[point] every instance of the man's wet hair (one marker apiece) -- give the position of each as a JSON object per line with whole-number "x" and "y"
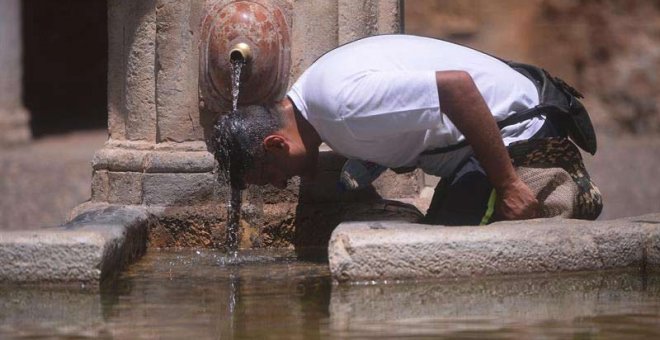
{"x": 237, "y": 140}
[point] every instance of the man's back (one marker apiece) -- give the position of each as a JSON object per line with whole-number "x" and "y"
{"x": 376, "y": 99}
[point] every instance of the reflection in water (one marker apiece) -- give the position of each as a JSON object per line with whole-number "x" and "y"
{"x": 205, "y": 294}
{"x": 510, "y": 307}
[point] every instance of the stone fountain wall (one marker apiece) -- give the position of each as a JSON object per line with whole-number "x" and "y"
{"x": 156, "y": 155}
{"x": 608, "y": 49}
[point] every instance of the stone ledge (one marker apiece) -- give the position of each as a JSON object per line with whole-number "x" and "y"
{"x": 396, "y": 250}
{"x": 93, "y": 247}
{"x": 153, "y": 161}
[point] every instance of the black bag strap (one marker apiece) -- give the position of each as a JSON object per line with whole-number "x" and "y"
{"x": 556, "y": 97}
{"x": 515, "y": 118}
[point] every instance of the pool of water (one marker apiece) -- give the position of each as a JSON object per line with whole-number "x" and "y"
{"x": 203, "y": 294}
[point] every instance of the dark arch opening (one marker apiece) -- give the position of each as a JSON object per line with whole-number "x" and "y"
{"x": 65, "y": 58}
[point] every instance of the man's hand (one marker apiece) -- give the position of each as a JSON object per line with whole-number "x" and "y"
{"x": 463, "y": 104}
{"x": 516, "y": 202}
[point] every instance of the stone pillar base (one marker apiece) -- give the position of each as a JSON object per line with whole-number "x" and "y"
{"x": 142, "y": 173}
{"x": 14, "y": 127}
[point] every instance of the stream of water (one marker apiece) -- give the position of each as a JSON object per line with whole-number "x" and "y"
{"x": 236, "y": 68}
{"x": 234, "y": 205}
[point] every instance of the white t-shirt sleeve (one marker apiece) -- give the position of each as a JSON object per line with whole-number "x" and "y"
{"x": 377, "y": 104}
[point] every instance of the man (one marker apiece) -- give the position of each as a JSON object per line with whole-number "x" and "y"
{"x": 401, "y": 101}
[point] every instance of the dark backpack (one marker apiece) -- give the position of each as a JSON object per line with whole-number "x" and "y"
{"x": 559, "y": 100}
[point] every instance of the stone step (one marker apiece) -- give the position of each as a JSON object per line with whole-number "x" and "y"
{"x": 95, "y": 246}
{"x": 366, "y": 251}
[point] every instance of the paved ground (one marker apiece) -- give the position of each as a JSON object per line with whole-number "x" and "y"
{"x": 41, "y": 182}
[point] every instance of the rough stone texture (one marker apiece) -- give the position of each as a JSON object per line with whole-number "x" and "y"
{"x": 31, "y": 256}
{"x": 118, "y": 159}
{"x": 264, "y": 226}
{"x": 359, "y": 19}
{"x": 176, "y": 64}
{"x": 139, "y": 56}
{"x": 177, "y": 188}
{"x": 653, "y": 247}
{"x": 356, "y": 19}
{"x": 188, "y": 161}
{"x": 314, "y": 32}
{"x": 14, "y": 119}
{"x": 93, "y": 247}
{"x": 389, "y": 16}
{"x": 131, "y": 69}
{"x": 379, "y": 251}
{"x": 270, "y": 195}
{"x": 100, "y": 186}
{"x": 651, "y": 225}
{"x": 177, "y": 227}
{"x": 125, "y": 187}
{"x": 123, "y": 159}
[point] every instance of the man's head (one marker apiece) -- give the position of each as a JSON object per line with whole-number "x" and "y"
{"x": 259, "y": 145}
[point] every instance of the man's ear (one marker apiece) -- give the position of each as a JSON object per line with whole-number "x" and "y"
{"x": 275, "y": 143}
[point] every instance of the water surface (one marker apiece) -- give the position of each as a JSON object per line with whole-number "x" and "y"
{"x": 204, "y": 294}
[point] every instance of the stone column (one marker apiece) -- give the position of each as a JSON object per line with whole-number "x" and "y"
{"x": 359, "y": 19}
{"x": 14, "y": 118}
{"x": 156, "y": 154}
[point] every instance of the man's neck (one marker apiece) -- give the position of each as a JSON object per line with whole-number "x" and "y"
{"x": 295, "y": 121}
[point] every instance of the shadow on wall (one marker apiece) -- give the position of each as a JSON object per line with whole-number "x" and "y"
{"x": 65, "y": 64}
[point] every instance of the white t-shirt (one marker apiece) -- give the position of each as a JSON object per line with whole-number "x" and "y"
{"x": 376, "y": 99}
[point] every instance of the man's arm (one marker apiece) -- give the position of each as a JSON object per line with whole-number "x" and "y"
{"x": 462, "y": 102}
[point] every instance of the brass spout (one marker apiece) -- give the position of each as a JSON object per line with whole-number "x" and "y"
{"x": 241, "y": 52}
{"x": 251, "y": 33}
